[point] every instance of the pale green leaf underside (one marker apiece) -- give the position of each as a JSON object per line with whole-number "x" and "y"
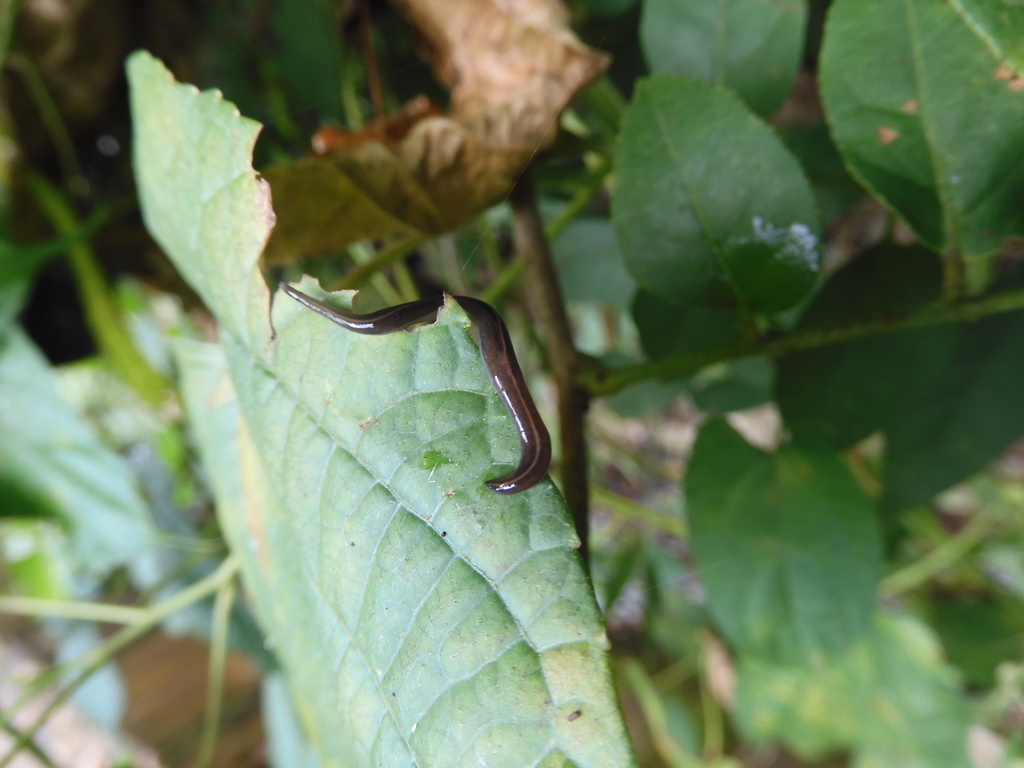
{"x": 53, "y": 455}
{"x": 422, "y": 619}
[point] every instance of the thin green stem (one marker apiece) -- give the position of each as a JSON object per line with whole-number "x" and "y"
{"x": 607, "y": 105}
{"x": 944, "y": 556}
{"x": 73, "y": 609}
{"x": 50, "y": 114}
{"x": 582, "y": 198}
{"x": 954, "y": 276}
{"x": 511, "y": 274}
{"x": 633, "y": 510}
{"x": 351, "y": 79}
{"x": 501, "y": 285}
{"x": 101, "y": 311}
{"x": 218, "y": 661}
{"x": 711, "y": 713}
{"x": 606, "y": 382}
{"x": 386, "y": 256}
{"x": 31, "y": 745}
{"x": 8, "y": 13}
{"x": 93, "y": 660}
{"x": 647, "y": 696}
{"x": 404, "y": 281}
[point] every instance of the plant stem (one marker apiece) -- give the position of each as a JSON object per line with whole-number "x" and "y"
{"x": 606, "y": 382}
{"x": 101, "y": 312}
{"x": 954, "y": 275}
{"x": 651, "y": 704}
{"x": 101, "y": 654}
{"x": 711, "y": 713}
{"x": 508, "y": 277}
{"x": 634, "y": 510}
{"x": 386, "y": 256}
{"x": 549, "y": 306}
{"x": 31, "y": 745}
{"x": 50, "y": 114}
{"x": 8, "y": 13}
{"x": 370, "y": 58}
{"x": 218, "y": 659}
{"x": 73, "y": 609}
{"x": 947, "y": 554}
{"x": 582, "y": 198}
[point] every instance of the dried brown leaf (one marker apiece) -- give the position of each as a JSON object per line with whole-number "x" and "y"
{"x": 512, "y": 66}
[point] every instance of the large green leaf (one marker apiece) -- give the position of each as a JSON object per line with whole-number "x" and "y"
{"x": 590, "y": 266}
{"x": 52, "y": 463}
{"x": 924, "y": 118}
{"x": 846, "y": 391}
{"x": 422, "y": 619}
{"x": 710, "y": 205}
{"x": 946, "y": 397}
{"x": 979, "y": 633}
{"x": 752, "y": 46}
{"x": 671, "y": 329}
{"x": 889, "y": 698}
{"x": 1000, "y": 23}
{"x": 786, "y": 545}
{"x": 972, "y": 412}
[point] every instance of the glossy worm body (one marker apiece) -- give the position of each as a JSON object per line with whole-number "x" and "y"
{"x": 499, "y": 359}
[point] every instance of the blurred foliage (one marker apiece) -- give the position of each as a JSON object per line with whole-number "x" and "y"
{"x": 789, "y": 235}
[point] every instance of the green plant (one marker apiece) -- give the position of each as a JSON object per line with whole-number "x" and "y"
{"x": 847, "y": 582}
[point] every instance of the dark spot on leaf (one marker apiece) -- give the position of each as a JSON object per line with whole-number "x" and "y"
{"x": 887, "y": 135}
{"x": 575, "y": 715}
{"x": 444, "y": 534}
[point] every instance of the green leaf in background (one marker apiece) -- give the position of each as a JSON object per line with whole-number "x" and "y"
{"x": 787, "y": 546}
{"x": 835, "y": 190}
{"x": 889, "y": 699}
{"x": 752, "y": 46}
{"x": 699, "y": 175}
{"x": 20, "y": 263}
{"x": 972, "y": 411}
{"x": 613, "y": 8}
{"x": 733, "y": 386}
{"x": 925, "y": 120}
{"x": 946, "y": 398}
{"x": 1000, "y": 23}
{"x": 979, "y": 634}
{"x": 51, "y": 461}
{"x": 774, "y": 268}
{"x": 845, "y": 391}
{"x": 308, "y": 43}
{"x": 36, "y": 557}
{"x": 421, "y": 618}
{"x": 668, "y": 329}
{"x": 647, "y": 397}
{"x": 589, "y": 264}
